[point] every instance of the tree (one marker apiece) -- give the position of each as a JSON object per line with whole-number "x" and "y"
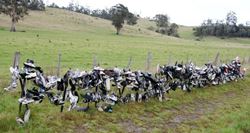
{"x": 248, "y": 23}
{"x": 161, "y": 20}
{"x": 131, "y": 19}
{"x": 53, "y": 5}
{"x": 231, "y": 18}
{"x": 96, "y": 13}
{"x": 119, "y": 13}
{"x": 105, "y": 13}
{"x": 16, "y": 9}
{"x": 36, "y": 5}
{"x": 71, "y": 6}
{"x": 173, "y": 30}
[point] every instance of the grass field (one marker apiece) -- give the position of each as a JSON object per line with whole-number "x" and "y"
{"x": 79, "y": 38}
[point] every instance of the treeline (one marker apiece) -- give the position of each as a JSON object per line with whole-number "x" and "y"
{"x": 36, "y": 5}
{"x": 223, "y": 29}
{"x": 131, "y": 19}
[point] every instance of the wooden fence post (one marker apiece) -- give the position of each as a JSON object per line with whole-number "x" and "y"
{"x": 16, "y": 60}
{"x": 94, "y": 61}
{"x": 59, "y": 64}
{"x": 216, "y": 59}
{"x": 148, "y": 61}
{"x": 129, "y": 62}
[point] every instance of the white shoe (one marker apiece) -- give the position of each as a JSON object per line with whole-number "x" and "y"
{"x": 31, "y": 75}
{"x": 26, "y": 116}
{"x": 25, "y": 100}
{"x": 19, "y": 121}
{"x": 100, "y": 109}
{"x": 10, "y": 88}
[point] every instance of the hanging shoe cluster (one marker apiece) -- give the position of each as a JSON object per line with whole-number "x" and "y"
{"x": 107, "y": 87}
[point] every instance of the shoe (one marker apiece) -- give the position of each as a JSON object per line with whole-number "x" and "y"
{"x": 83, "y": 109}
{"x": 113, "y": 98}
{"x": 26, "y": 116}
{"x": 25, "y": 100}
{"x": 10, "y": 88}
{"x": 99, "y": 82}
{"x": 31, "y": 75}
{"x": 100, "y": 109}
{"x": 58, "y": 102}
{"x": 29, "y": 63}
{"x": 108, "y": 109}
{"x": 132, "y": 97}
{"x": 160, "y": 98}
{"x": 19, "y": 121}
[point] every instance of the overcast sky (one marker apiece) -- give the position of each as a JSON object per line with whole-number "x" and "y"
{"x": 184, "y": 12}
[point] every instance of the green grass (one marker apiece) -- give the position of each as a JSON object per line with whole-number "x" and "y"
{"x": 79, "y": 38}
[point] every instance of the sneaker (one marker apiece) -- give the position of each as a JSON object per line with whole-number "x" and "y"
{"x": 84, "y": 109}
{"x": 100, "y": 109}
{"x": 160, "y": 98}
{"x": 132, "y": 97}
{"x": 113, "y": 98}
{"x": 29, "y": 63}
{"x": 25, "y": 100}
{"x": 108, "y": 109}
{"x": 58, "y": 102}
{"x": 110, "y": 102}
{"x": 31, "y": 75}
{"x": 9, "y": 88}
{"x": 99, "y": 82}
{"x": 19, "y": 121}
{"x": 26, "y": 116}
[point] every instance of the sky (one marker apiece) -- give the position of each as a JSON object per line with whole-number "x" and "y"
{"x": 184, "y": 12}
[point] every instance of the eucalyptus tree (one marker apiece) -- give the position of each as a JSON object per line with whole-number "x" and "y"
{"x": 16, "y": 9}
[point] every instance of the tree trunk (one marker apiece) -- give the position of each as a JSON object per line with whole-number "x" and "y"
{"x": 13, "y": 26}
{"x": 118, "y": 31}
{"x": 13, "y": 18}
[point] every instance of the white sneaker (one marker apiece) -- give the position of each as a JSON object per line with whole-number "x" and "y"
{"x": 26, "y": 116}
{"x": 100, "y": 109}
{"x": 10, "y": 88}
{"x": 31, "y": 75}
{"x": 25, "y": 100}
{"x": 19, "y": 121}
{"x": 112, "y": 97}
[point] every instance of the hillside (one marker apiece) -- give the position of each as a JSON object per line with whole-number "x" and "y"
{"x": 58, "y": 19}
{"x": 79, "y": 38}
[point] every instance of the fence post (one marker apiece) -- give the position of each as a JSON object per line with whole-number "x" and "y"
{"x": 59, "y": 64}
{"x": 16, "y": 60}
{"x": 169, "y": 59}
{"x": 216, "y": 59}
{"x": 94, "y": 61}
{"x": 129, "y": 62}
{"x": 249, "y": 60}
{"x": 148, "y": 61}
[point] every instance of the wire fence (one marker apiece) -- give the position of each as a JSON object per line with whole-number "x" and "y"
{"x": 151, "y": 64}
